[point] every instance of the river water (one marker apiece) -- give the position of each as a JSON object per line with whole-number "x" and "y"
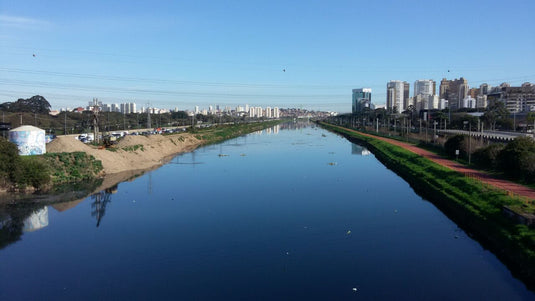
{"x": 289, "y": 213}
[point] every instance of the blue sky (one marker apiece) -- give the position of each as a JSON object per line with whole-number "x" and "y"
{"x": 186, "y": 53}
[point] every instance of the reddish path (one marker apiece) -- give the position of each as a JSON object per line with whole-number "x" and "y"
{"x": 508, "y": 186}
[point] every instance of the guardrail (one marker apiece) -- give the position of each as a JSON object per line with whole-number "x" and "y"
{"x": 506, "y": 136}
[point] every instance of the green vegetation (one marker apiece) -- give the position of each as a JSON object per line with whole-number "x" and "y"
{"x": 516, "y": 160}
{"x": 134, "y": 148}
{"x": 72, "y": 167}
{"x": 41, "y": 172}
{"x": 219, "y": 133}
{"x": 34, "y": 104}
{"x": 473, "y": 205}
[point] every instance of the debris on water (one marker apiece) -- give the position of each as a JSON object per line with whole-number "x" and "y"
{"x": 348, "y": 232}
{"x": 456, "y": 237}
{"x": 243, "y": 155}
{"x": 354, "y": 289}
{"x": 323, "y": 135}
{"x": 331, "y": 153}
{"x": 223, "y": 155}
{"x": 395, "y": 211}
{"x": 287, "y": 253}
{"x": 133, "y": 201}
{"x": 332, "y": 163}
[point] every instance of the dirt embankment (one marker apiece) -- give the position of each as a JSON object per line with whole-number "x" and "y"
{"x": 132, "y": 152}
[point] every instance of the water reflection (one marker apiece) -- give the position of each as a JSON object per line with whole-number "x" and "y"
{"x": 37, "y": 220}
{"x": 16, "y": 219}
{"x": 359, "y": 150}
{"x": 100, "y": 201}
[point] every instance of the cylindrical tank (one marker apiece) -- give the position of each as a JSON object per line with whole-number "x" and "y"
{"x": 29, "y": 139}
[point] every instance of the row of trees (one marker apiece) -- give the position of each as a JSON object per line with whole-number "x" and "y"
{"x": 495, "y": 116}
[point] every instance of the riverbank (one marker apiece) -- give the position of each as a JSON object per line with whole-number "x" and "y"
{"x": 476, "y": 207}
{"x": 140, "y": 152}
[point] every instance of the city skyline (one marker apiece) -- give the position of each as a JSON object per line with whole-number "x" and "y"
{"x": 285, "y": 54}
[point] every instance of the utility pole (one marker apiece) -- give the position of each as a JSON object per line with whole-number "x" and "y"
{"x": 148, "y": 116}
{"x": 65, "y": 126}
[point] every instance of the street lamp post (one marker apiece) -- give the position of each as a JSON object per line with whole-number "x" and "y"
{"x": 469, "y": 141}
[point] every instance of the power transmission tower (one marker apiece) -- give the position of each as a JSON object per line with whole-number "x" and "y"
{"x": 96, "y": 110}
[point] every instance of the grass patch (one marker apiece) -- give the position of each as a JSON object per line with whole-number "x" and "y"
{"x": 134, "y": 148}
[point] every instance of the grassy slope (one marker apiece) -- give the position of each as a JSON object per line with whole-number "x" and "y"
{"x": 476, "y": 207}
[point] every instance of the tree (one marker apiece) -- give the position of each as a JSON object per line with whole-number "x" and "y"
{"x": 455, "y": 143}
{"x": 530, "y": 118}
{"x": 411, "y": 112}
{"x": 9, "y": 158}
{"x": 495, "y": 111}
{"x": 35, "y": 104}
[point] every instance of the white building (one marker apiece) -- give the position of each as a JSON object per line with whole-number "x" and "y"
{"x": 269, "y": 113}
{"x": 276, "y": 112}
{"x": 397, "y": 95}
{"x": 481, "y": 101}
{"x": 469, "y": 102}
{"x": 424, "y": 87}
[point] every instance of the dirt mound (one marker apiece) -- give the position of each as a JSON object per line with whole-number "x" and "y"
{"x": 132, "y": 140}
{"x": 66, "y": 144}
{"x": 123, "y": 157}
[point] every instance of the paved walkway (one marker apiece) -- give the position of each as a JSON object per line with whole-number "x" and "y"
{"x": 510, "y": 187}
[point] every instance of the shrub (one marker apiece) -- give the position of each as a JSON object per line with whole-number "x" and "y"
{"x": 487, "y": 157}
{"x": 32, "y": 171}
{"x": 517, "y": 159}
{"x": 455, "y": 143}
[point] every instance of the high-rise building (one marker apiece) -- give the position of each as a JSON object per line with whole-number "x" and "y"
{"x": 455, "y": 91}
{"x": 269, "y": 113}
{"x": 424, "y": 87}
{"x": 397, "y": 96}
{"x": 276, "y": 112}
{"x": 516, "y": 99}
{"x": 406, "y": 99}
{"x": 484, "y": 89}
{"x": 361, "y": 98}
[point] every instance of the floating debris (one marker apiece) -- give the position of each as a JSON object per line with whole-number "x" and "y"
{"x": 354, "y": 289}
{"x": 243, "y": 155}
{"x": 332, "y": 163}
{"x": 223, "y": 155}
{"x": 348, "y": 232}
{"x": 331, "y": 153}
{"x": 395, "y": 211}
{"x": 456, "y": 237}
{"x": 323, "y": 135}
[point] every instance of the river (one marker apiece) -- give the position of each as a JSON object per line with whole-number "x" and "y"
{"x": 289, "y": 213}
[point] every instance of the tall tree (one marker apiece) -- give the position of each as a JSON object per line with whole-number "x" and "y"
{"x": 495, "y": 111}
